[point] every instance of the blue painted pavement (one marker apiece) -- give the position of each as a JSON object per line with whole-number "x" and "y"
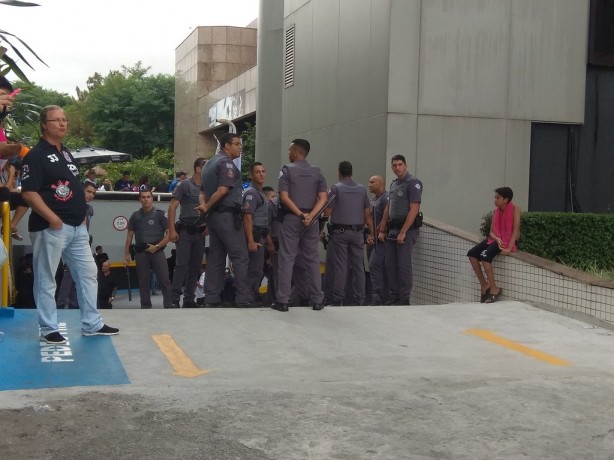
{"x": 27, "y": 363}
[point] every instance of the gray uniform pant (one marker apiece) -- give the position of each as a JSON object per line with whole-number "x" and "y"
{"x": 300, "y": 290}
{"x": 145, "y": 263}
{"x": 190, "y": 251}
{"x": 271, "y": 294}
{"x": 225, "y": 239}
{"x": 398, "y": 266}
{"x": 255, "y": 268}
{"x": 295, "y": 238}
{"x": 329, "y": 271}
{"x": 349, "y": 251}
{"x": 377, "y": 270}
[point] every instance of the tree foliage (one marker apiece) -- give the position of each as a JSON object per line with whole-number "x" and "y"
{"x": 248, "y": 137}
{"x": 131, "y": 112}
{"x": 25, "y": 112}
{"x": 157, "y": 166}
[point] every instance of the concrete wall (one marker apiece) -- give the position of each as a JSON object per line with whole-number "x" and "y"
{"x": 269, "y": 91}
{"x": 442, "y": 274}
{"x": 340, "y": 95}
{"x": 207, "y": 59}
{"x": 486, "y": 70}
{"x": 451, "y": 84}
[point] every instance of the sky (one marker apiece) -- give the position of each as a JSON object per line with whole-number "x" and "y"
{"x": 77, "y": 38}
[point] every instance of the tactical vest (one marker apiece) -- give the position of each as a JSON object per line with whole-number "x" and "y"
{"x": 378, "y": 204}
{"x": 261, "y": 210}
{"x": 190, "y": 201}
{"x": 349, "y": 204}
{"x": 399, "y": 204}
{"x": 148, "y": 227}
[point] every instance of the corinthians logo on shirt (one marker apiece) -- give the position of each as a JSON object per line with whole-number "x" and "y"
{"x": 62, "y": 191}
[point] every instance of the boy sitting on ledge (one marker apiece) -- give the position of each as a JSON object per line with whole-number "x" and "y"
{"x": 504, "y": 232}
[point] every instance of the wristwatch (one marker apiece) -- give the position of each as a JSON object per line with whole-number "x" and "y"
{"x": 157, "y": 246}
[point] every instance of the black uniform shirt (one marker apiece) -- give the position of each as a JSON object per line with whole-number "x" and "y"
{"x": 55, "y": 177}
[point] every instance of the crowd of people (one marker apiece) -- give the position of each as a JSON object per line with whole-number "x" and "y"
{"x": 259, "y": 233}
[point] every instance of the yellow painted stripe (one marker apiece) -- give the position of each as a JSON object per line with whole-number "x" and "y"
{"x": 491, "y": 337}
{"x": 181, "y": 362}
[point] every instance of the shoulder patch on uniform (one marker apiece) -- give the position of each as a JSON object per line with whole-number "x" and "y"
{"x": 418, "y": 186}
{"x": 249, "y": 196}
{"x": 230, "y": 165}
{"x": 230, "y": 173}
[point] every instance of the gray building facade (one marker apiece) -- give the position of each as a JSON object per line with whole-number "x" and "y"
{"x": 475, "y": 93}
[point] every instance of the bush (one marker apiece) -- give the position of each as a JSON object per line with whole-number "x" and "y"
{"x": 153, "y": 166}
{"x": 581, "y": 240}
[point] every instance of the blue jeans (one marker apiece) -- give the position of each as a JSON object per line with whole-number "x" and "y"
{"x": 72, "y": 245}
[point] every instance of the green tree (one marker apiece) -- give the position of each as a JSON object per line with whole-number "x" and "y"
{"x": 248, "y": 137}
{"x": 24, "y": 121}
{"x": 130, "y": 111}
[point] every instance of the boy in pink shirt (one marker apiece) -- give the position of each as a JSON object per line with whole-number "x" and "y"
{"x": 504, "y": 232}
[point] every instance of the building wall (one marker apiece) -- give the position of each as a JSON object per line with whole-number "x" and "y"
{"x": 442, "y": 274}
{"x": 207, "y": 59}
{"x": 339, "y": 99}
{"x": 451, "y": 84}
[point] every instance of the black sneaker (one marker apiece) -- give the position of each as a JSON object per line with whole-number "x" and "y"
{"x": 173, "y": 305}
{"x": 54, "y": 338}
{"x": 104, "y": 330}
{"x": 191, "y": 305}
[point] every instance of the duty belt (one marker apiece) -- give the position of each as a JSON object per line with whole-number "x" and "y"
{"x": 343, "y": 227}
{"x": 232, "y": 209}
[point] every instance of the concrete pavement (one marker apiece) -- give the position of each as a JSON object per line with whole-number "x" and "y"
{"x": 344, "y": 383}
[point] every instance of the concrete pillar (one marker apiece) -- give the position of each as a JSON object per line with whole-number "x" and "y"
{"x": 270, "y": 87}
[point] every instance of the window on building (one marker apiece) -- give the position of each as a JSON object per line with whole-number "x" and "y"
{"x": 601, "y": 33}
{"x": 289, "y": 57}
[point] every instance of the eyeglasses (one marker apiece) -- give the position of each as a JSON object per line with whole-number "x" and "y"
{"x": 58, "y": 120}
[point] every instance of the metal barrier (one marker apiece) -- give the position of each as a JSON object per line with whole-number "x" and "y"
{"x": 6, "y": 237}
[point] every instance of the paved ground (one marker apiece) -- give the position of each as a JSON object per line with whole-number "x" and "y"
{"x": 344, "y": 383}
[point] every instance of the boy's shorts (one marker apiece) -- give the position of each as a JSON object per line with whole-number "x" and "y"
{"x": 484, "y": 251}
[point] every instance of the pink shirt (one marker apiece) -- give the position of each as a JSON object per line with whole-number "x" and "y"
{"x": 3, "y": 136}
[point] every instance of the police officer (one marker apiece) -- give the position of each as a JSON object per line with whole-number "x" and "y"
{"x": 401, "y": 227}
{"x": 349, "y": 212}
{"x": 220, "y": 199}
{"x": 149, "y": 227}
{"x": 256, "y": 226}
{"x": 271, "y": 261}
{"x": 187, "y": 234}
{"x": 302, "y": 193}
{"x": 377, "y": 251}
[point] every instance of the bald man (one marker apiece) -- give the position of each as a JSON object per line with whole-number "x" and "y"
{"x": 376, "y": 250}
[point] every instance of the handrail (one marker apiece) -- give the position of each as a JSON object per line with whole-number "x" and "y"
{"x": 6, "y": 237}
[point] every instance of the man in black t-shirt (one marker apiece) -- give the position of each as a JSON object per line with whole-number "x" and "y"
{"x": 51, "y": 186}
